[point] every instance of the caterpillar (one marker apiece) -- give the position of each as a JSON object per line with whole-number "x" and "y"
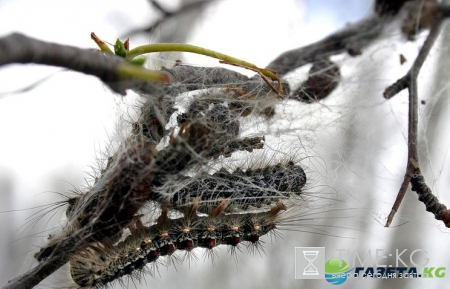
{"x": 431, "y": 202}
{"x": 104, "y": 262}
{"x": 243, "y": 190}
{"x": 254, "y": 187}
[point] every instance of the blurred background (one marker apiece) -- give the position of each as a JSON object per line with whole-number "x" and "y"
{"x": 353, "y": 143}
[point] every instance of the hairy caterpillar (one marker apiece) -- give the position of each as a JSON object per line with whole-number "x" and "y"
{"x": 104, "y": 262}
{"x": 254, "y": 187}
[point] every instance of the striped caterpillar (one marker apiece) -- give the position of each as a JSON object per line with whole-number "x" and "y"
{"x": 252, "y": 188}
{"x": 102, "y": 263}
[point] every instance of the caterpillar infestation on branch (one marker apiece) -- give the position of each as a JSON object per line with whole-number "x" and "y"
{"x": 208, "y": 158}
{"x": 171, "y": 156}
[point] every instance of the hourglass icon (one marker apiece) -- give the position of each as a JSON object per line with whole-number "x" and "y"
{"x": 310, "y": 269}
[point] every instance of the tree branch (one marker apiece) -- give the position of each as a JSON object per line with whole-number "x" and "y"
{"x": 38, "y": 273}
{"x": 18, "y": 48}
{"x": 168, "y": 15}
{"x": 413, "y": 174}
{"x": 351, "y": 39}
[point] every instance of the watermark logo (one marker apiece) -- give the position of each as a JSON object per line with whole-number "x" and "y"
{"x": 375, "y": 264}
{"x": 336, "y": 271}
{"x": 309, "y": 262}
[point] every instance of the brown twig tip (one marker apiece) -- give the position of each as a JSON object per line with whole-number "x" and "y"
{"x": 96, "y": 39}
{"x": 398, "y": 200}
{"x": 390, "y": 218}
{"x": 395, "y": 88}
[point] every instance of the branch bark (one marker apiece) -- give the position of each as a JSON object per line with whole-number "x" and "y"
{"x": 18, "y": 48}
{"x": 413, "y": 174}
{"x": 351, "y": 39}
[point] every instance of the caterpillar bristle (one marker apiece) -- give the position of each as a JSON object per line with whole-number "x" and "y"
{"x": 103, "y": 262}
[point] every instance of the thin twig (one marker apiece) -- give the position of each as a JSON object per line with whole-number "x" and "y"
{"x": 32, "y": 85}
{"x": 158, "y": 6}
{"x": 167, "y": 16}
{"x": 112, "y": 70}
{"x": 18, "y": 48}
{"x": 410, "y": 81}
{"x": 351, "y": 39}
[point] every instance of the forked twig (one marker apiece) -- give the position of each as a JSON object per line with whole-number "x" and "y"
{"x": 413, "y": 174}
